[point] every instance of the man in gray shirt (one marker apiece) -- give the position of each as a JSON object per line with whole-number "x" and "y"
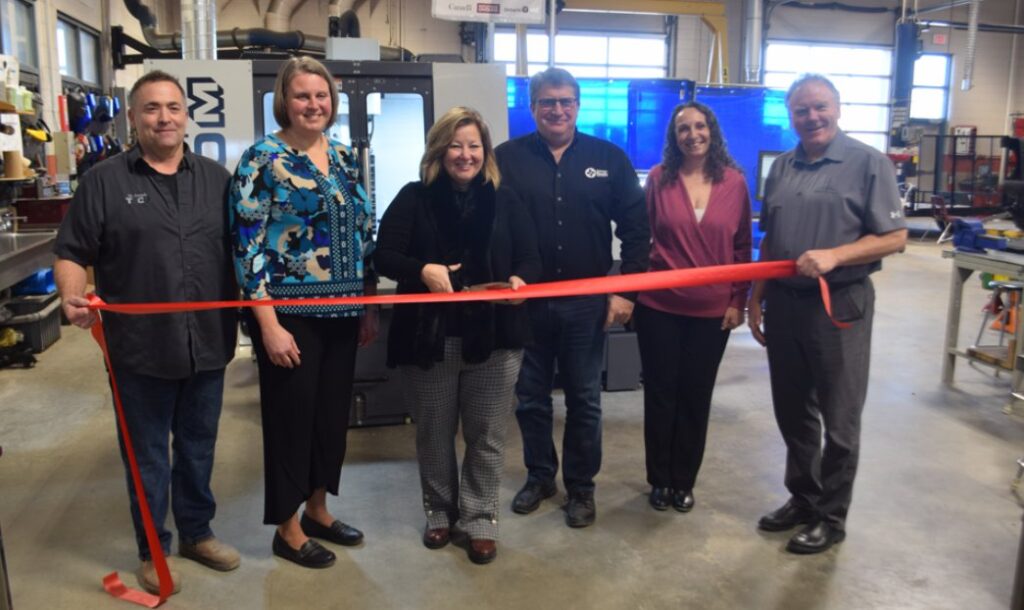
{"x": 152, "y": 222}
{"x": 833, "y": 205}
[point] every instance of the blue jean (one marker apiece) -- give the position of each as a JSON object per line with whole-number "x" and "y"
{"x": 155, "y": 411}
{"x": 569, "y": 331}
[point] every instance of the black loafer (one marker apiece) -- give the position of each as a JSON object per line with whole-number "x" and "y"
{"x": 311, "y": 555}
{"x": 682, "y": 500}
{"x": 338, "y": 532}
{"x": 660, "y": 498}
{"x": 785, "y": 517}
{"x": 528, "y": 498}
{"x": 815, "y": 538}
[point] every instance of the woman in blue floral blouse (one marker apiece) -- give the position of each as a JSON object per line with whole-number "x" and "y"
{"x": 302, "y": 227}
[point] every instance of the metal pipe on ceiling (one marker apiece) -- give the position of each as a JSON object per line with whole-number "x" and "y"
{"x": 552, "y": 10}
{"x": 992, "y": 28}
{"x": 941, "y": 7}
{"x": 972, "y": 41}
{"x": 199, "y": 29}
{"x": 752, "y": 44}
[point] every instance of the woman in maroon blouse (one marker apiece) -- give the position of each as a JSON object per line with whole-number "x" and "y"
{"x": 699, "y": 213}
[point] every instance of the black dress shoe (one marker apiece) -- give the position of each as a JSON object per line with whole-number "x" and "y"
{"x": 815, "y": 538}
{"x": 786, "y": 517}
{"x": 311, "y": 555}
{"x": 660, "y": 498}
{"x": 580, "y": 510}
{"x": 338, "y": 532}
{"x": 682, "y": 500}
{"x": 530, "y": 496}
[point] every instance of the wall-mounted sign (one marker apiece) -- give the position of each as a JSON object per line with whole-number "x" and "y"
{"x": 497, "y": 11}
{"x": 218, "y": 95}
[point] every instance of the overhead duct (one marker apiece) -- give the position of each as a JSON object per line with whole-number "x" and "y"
{"x": 279, "y": 14}
{"x": 344, "y": 26}
{"x": 199, "y": 29}
{"x": 252, "y": 37}
{"x": 753, "y": 30}
{"x": 147, "y": 20}
{"x": 235, "y": 38}
{"x": 972, "y": 40}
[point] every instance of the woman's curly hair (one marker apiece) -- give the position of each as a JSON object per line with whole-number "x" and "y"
{"x": 718, "y": 155}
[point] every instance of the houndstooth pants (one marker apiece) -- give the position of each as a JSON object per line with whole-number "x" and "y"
{"x": 481, "y": 395}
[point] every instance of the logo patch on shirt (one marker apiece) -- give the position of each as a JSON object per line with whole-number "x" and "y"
{"x": 593, "y": 172}
{"x": 895, "y": 214}
{"x": 136, "y": 198}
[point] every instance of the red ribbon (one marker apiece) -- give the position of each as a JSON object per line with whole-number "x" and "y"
{"x": 112, "y": 582}
{"x": 637, "y": 282}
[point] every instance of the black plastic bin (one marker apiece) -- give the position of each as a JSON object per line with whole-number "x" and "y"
{"x": 36, "y": 317}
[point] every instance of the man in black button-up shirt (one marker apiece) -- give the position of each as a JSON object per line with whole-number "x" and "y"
{"x": 575, "y": 186}
{"x": 152, "y": 222}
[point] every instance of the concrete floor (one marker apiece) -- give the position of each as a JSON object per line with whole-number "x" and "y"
{"x": 933, "y": 523}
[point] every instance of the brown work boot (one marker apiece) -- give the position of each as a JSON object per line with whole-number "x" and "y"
{"x": 146, "y": 574}
{"x": 212, "y": 553}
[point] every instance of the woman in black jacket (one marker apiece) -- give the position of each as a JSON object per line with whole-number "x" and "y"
{"x": 457, "y": 229}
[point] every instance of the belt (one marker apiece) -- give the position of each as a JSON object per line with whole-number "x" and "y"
{"x": 814, "y": 290}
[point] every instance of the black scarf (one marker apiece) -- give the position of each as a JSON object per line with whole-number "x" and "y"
{"x": 463, "y": 233}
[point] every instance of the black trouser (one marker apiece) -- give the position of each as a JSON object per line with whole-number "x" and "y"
{"x": 680, "y": 357}
{"x": 819, "y": 376}
{"x": 305, "y": 411}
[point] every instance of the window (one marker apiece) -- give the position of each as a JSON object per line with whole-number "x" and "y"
{"x": 861, "y": 74}
{"x": 588, "y": 54}
{"x": 18, "y": 31}
{"x": 78, "y": 51}
{"x": 929, "y": 99}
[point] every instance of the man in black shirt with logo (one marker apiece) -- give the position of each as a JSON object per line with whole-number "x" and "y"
{"x": 152, "y": 222}
{"x": 575, "y": 186}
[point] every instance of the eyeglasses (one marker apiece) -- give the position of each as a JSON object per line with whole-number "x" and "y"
{"x": 547, "y": 103}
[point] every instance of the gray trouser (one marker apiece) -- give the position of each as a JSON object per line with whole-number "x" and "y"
{"x": 481, "y": 395}
{"x": 819, "y": 379}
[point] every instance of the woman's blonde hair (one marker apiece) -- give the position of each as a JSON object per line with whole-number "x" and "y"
{"x": 289, "y": 70}
{"x": 440, "y": 137}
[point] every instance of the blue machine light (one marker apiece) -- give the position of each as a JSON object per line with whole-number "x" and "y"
{"x": 630, "y": 113}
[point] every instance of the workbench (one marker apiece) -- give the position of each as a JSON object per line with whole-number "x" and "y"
{"x": 996, "y": 263}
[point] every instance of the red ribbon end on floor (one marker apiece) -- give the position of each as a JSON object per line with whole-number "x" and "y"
{"x": 112, "y": 583}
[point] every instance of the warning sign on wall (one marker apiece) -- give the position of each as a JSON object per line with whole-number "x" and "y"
{"x": 497, "y": 11}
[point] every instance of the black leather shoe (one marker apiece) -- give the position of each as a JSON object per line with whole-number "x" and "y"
{"x": 530, "y": 496}
{"x": 338, "y": 533}
{"x": 311, "y": 555}
{"x": 580, "y": 510}
{"x": 815, "y": 538}
{"x": 660, "y": 498}
{"x": 786, "y": 517}
{"x": 682, "y": 500}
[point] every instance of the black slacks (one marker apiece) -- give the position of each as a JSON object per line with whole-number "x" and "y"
{"x": 819, "y": 376}
{"x": 680, "y": 357}
{"x": 305, "y": 411}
